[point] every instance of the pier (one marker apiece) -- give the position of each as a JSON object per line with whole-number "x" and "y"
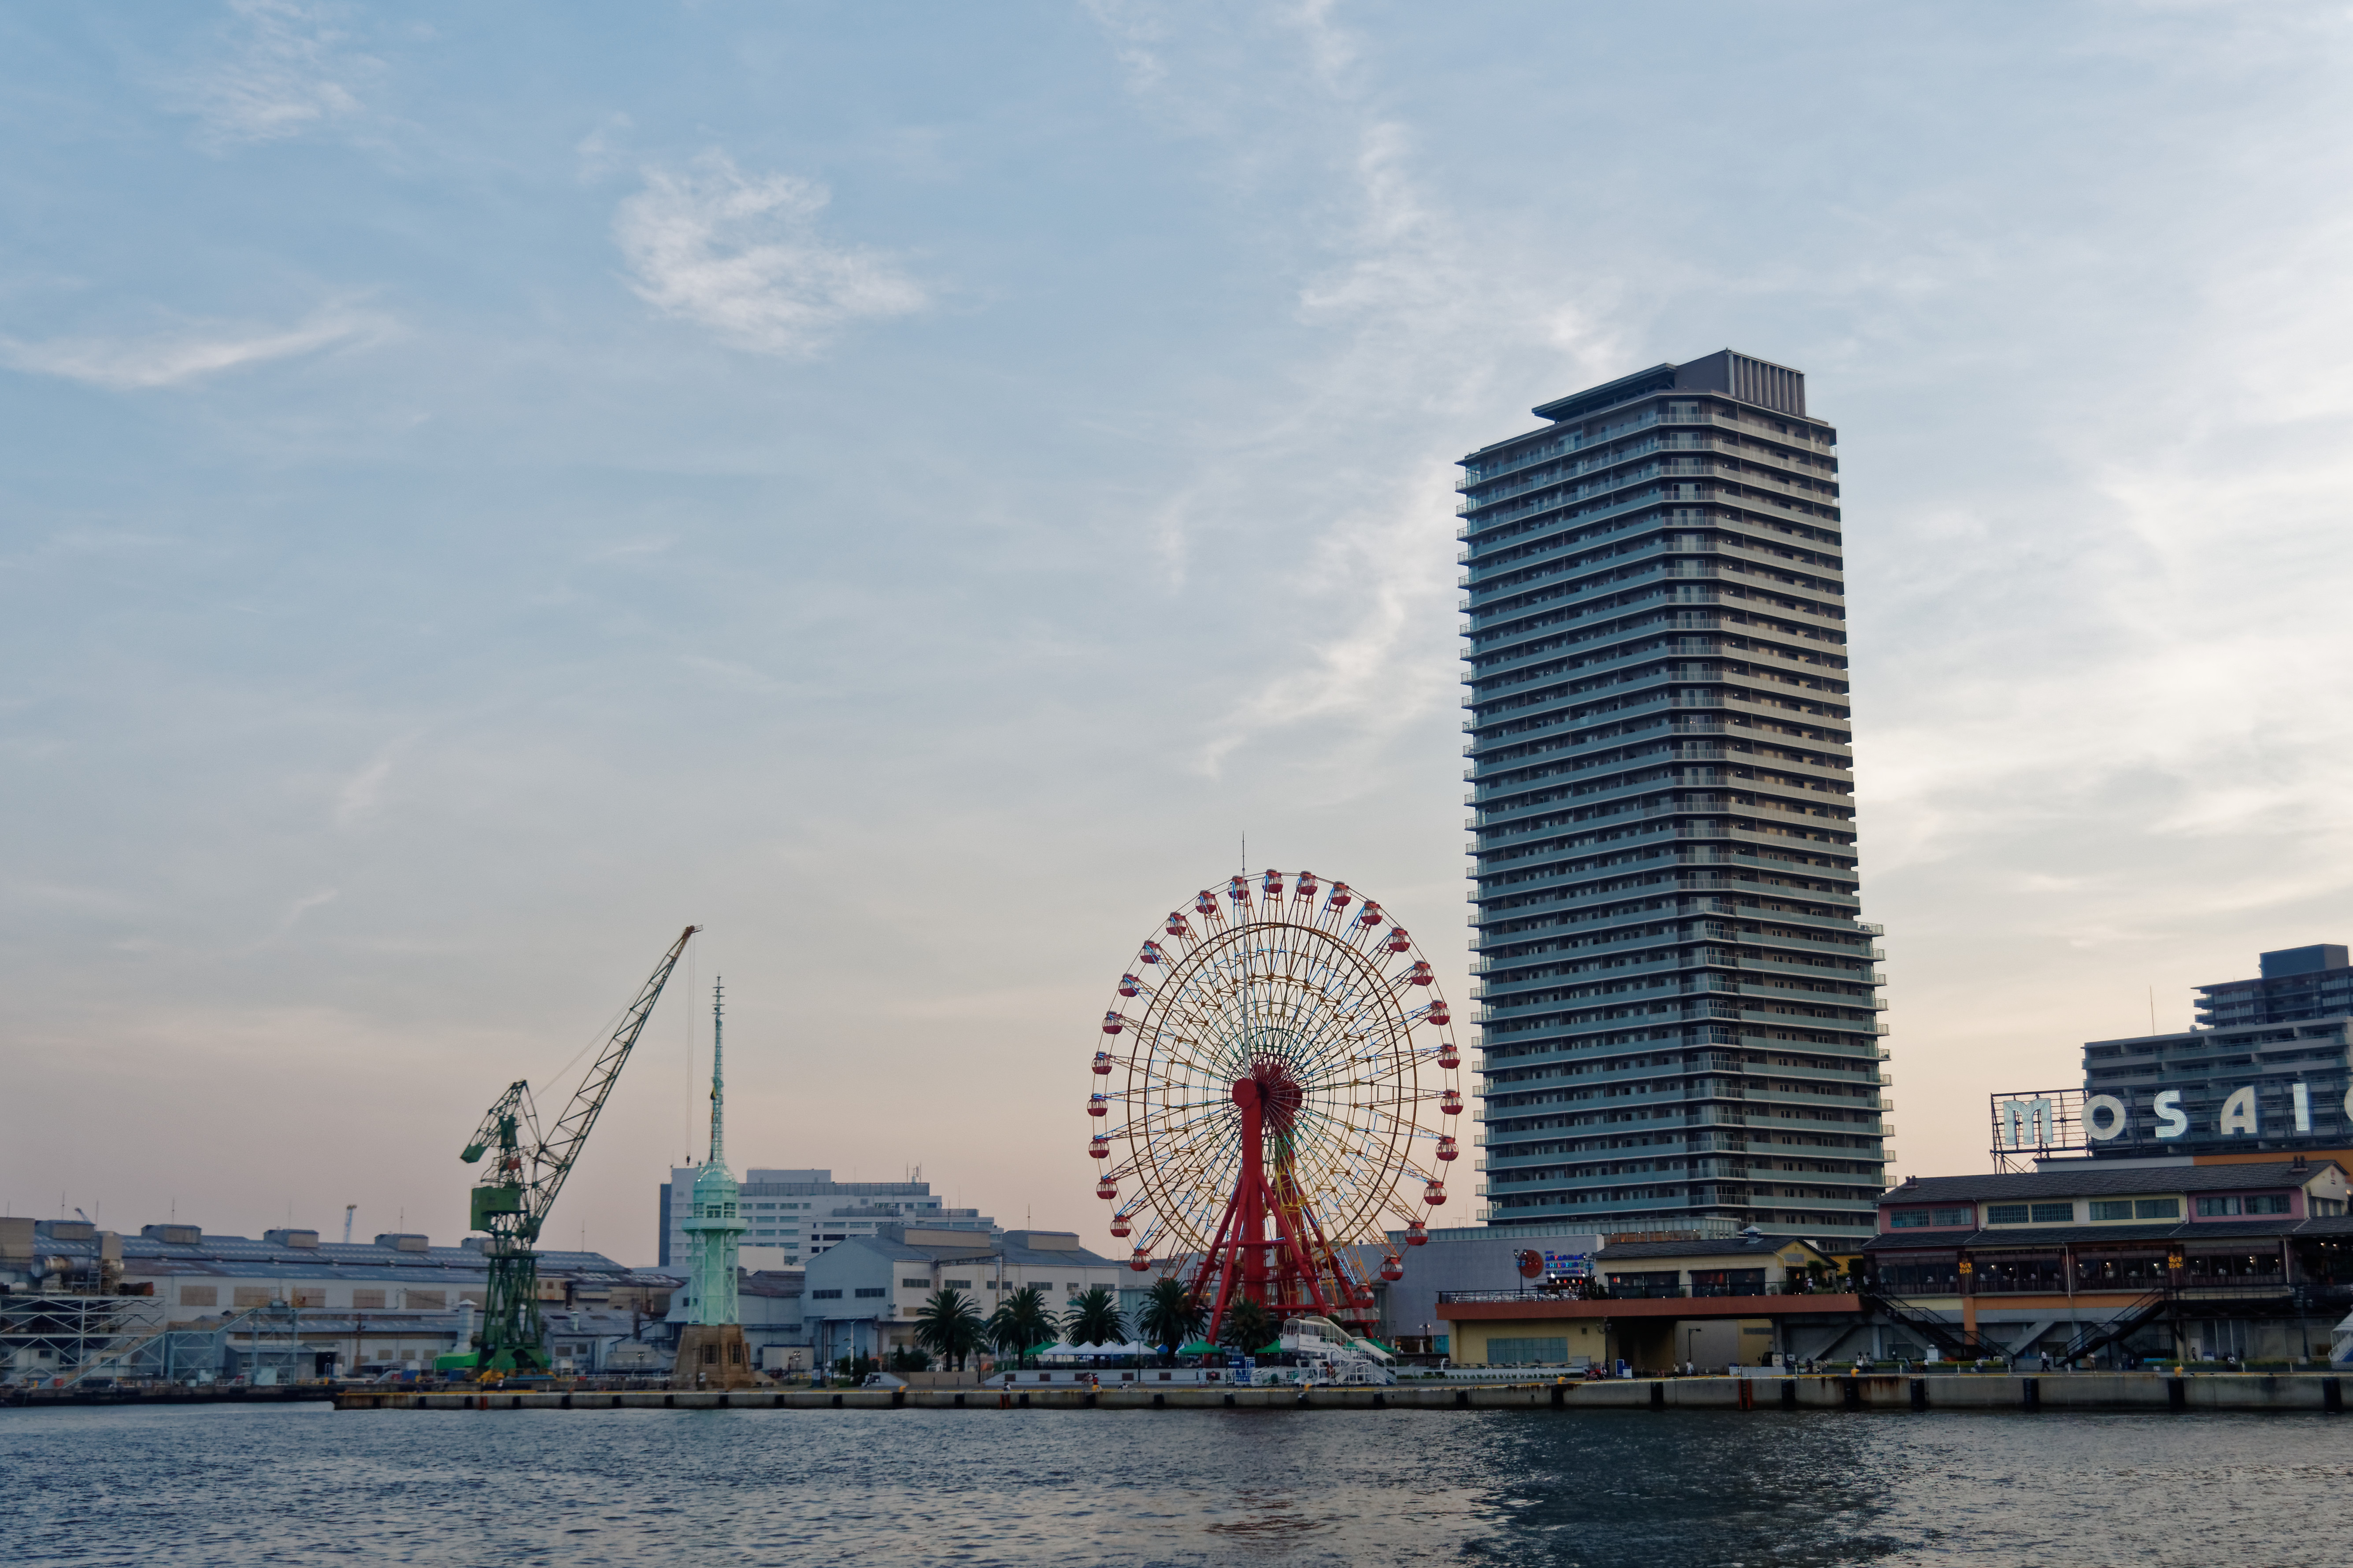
{"x": 2098, "y": 1391}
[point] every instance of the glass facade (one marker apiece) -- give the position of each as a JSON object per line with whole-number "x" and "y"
{"x": 1676, "y": 996}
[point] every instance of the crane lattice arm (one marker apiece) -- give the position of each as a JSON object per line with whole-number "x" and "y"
{"x": 561, "y": 1147}
{"x": 511, "y": 1202}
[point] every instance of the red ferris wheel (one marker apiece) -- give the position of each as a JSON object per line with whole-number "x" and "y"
{"x": 1277, "y": 1092}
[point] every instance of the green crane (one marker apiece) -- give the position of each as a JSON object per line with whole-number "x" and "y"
{"x": 518, "y": 1189}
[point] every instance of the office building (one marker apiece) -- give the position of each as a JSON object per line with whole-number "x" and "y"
{"x": 793, "y": 1215}
{"x": 1677, "y": 998}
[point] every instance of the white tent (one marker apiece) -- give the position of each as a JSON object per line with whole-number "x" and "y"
{"x": 1067, "y": 1351}
{"x": 2341, "y": 1350}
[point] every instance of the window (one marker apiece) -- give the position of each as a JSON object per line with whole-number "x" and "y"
{"x": 2053, "y": 1214}
{"x": 1951, "y": 1216}
{"x": 957, "y": 1284}
{"x": 825, "y": 1295}
{"x": 914, "y": 1284}
{"x": 2156, "y": 1208}
{"x": 253, "y": 1296}
{"x": 1526, "y": 1352}
{"x": 2209, "y": 1208}
{"x": 199, "y": 1295}
{"x": 2112, "y": 1209}
{"x": 1909, "y": 1219}
{"x": 367, "y": 1301}
{"x": 2006, "y": 1214}
{"x": 423, "y": 1301}
{"x": 868, "y": 1290}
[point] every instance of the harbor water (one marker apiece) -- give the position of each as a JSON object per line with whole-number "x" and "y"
{"x": 303, "y": 1484}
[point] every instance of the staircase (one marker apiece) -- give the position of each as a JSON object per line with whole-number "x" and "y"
{"x": 2120, "y": 1327}
{"x": 1948, "y": 1336}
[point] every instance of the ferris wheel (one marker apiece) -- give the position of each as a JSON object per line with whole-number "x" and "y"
{"x": 1277, "y": 1092}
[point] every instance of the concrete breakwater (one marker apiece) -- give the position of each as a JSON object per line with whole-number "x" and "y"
{"x": 2073, "y": 1391}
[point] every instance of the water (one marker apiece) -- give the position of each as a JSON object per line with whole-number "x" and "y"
{"x": 716, "y": 1488}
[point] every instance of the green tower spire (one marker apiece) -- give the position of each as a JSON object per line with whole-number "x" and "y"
{"x": 716, "y": 1222}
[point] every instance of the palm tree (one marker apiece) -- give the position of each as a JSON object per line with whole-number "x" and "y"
{"x": 1172, "y": 1314}
{"x": 1023, "y": 1321}
{"x": 949, "y": 1326}
{"x": 1095, "y": 1319}
{"x": 1247, "y": 1326}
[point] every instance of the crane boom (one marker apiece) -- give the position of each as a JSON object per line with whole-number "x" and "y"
{"x": 511, "y": 1204}
{"x": 561, "y": 1147}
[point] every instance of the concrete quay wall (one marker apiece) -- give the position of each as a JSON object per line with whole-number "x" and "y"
{"x": 2073, "y": 1391}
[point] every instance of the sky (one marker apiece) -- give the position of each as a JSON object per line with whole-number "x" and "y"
{"x": 911, "y": 487}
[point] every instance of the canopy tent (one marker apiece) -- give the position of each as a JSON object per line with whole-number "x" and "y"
{"x": 1067, "y": 1351}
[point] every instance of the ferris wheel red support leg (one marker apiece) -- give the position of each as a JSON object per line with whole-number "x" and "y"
{"x": 1238, "y": 1254}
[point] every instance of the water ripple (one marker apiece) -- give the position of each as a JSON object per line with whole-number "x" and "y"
{"x": 235, "y": 1487}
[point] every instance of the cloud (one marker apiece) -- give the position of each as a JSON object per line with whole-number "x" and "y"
{"x": 284, "y": 75}
{"x": 168, "y": 359}
{"x": 1410, "y": 324}
{"x": 741, "y": 255}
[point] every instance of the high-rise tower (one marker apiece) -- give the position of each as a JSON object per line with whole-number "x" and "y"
{"x": 711, "y": 1348}
{"x": 1679, "y": 1019}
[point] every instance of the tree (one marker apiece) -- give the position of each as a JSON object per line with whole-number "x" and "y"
{"x": 1095, "y": 1319}
{"x": 1247, "y": 1326}
{"x": 1172, "y": 1314}
{"x": 949, "y": 1325}
{"x": 910, "y": 1361}
{"x": 1023, "y": 1321}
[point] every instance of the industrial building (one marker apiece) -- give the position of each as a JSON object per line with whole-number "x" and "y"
{"x": 791, "y": 1215}
{"x": 1677, "y": 996}
{"x": 174, "y": 1301}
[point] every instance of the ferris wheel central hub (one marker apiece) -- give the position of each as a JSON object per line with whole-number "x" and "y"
{"x": 1270, "y": 1096}
{"x": 1304, "y": 1007}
